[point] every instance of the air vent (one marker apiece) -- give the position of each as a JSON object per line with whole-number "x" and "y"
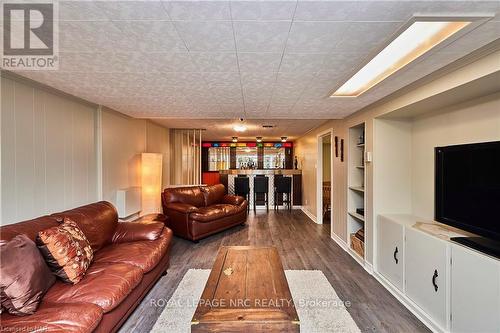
{"x": 268, "y": 126}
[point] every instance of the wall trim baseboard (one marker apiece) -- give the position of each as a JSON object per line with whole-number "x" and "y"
{"x": 369, "y": 268}
{"x": 309, "y": 214}
{"x": 409, "y": 304}
{"x": 339, "y": 241}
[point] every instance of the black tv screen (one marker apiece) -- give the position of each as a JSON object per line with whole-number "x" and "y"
{"x": 467, "y": 190}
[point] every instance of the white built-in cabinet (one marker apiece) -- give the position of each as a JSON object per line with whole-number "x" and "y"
{"x": 426, "y": 272}
{"x": 450, "y": 287}
{"x": 391, "y": 251}
{"x": 475, "y": 291}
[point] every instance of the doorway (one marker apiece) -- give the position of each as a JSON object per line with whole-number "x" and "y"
{"x": 324, "y": 178}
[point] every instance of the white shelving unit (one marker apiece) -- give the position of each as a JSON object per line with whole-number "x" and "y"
{"x": 356, "y": 185}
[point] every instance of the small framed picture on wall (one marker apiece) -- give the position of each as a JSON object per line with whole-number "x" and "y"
{"x": 336, "y": 146}
{"x": 341, "y": 150}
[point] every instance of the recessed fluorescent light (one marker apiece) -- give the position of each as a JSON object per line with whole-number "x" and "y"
{"x": 419, "y": 38}
{"x": 240, "y": 128}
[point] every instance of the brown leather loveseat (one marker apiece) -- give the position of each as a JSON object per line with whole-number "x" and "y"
{"x": 199, "y": 211}
{"x": 129, "y": 257}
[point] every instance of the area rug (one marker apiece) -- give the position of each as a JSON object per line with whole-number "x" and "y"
{"x": 318, "y": 306}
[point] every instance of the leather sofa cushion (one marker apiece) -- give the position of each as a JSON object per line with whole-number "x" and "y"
{"x": 105, "y": 284}
{"x": 66, "y": 250}
{"x": 233, "y": 200}
{"x": 54, "y": 318}
{"x": 213, "y": 194}
{"x": 24, "y": 277}
{"x": 137, "y": 231}
{"x": 189, "y": 195}
{"x": 214, "y": 212}
{"x": 29, "y": 228}
{"x": 97, "y": 221}
{"x": 143, "y": 254}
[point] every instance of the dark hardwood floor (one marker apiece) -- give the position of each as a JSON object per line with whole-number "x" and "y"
{"x": 302, "y": 244}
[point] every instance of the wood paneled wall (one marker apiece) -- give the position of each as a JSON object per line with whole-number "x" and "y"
{"x": 48, "y": 152}
{"x": 50, "y": 147}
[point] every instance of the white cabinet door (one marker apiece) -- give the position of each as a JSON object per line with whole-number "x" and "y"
{"x": 390, "y": 253}
{"x": 475, "y": 292}
{"x": 426, "y": 273}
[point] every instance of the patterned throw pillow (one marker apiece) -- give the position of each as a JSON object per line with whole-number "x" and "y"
{"x": 66, "y": 250}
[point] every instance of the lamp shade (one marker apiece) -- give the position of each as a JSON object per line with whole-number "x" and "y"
{"x": 151, "y": 177}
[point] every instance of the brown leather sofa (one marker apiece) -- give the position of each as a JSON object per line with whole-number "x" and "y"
{"x": 129, "y": 257}
{"x": 198, "y": 211}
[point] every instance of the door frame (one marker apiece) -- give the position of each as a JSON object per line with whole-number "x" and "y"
{"x": 319, "y": 175}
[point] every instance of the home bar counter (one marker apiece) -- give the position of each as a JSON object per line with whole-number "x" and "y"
{"x": 227, "y": 178}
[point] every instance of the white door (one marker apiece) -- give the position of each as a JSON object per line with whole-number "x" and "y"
{"x": 390, "y": 251}
{"x": 475, "y": 292}
{"x": 426, "y": 273}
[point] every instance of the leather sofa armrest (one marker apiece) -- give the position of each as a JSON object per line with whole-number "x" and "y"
{"x": 136, "y": 231}
{"x": 233, "y": 200}
{"x": 182, "y": 207}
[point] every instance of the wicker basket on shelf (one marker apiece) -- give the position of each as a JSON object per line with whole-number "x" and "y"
{"x": 358, "y": 245}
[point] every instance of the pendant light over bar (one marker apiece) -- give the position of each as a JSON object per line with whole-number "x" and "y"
{"x": 416, "y": 40}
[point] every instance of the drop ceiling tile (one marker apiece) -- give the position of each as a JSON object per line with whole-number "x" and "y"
{"x": 482, "y": 35}
{"x": 236, "y": 110}
{"x": 263, "y": 10}
{"x": 150, "y": 36}
{"x": 259, "y": 61}
{"x": 198, "y": 10}
{"x": 342, "y": 62}
{"x": 80, "y": 10}
{"x": 88, "y": 36}
{"x": 132, "y": 10}
{"x": 366, "y": 36}
{"x": 182, "y": 79}
{"x": 315, "y": 37}
{"x": 302, "y": 62}
{"x": 222, "y": 79}
{"x": 258, "y": 36}
{"x": 258, "y": 80}
{"x": 260, "y": 100}
{"x": 354, "y": 10}
{"x": 290, "y": 80}
{"x": 215, "y": 61}
{"x": 154, "y": 62}
{"x": 206, "y": 36}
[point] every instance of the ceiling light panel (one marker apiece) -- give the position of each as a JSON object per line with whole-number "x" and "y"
{"x": 416, "y": 40}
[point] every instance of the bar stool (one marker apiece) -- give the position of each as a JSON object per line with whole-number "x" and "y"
{"x": 242, "y": 187}
{"x": 261, "y": 186}
{"x": 283, "y": 185}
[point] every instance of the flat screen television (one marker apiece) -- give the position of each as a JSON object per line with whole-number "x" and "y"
{"x": 467, "y": 193}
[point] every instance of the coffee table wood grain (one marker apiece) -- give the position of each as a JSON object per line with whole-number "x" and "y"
{"x": 246, "y": 291}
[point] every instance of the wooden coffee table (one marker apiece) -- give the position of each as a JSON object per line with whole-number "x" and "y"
{"x": 246, "y": 291}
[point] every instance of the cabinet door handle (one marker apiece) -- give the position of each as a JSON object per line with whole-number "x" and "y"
{"x": 396, "y": 255}
{"x": 434, "y": 276}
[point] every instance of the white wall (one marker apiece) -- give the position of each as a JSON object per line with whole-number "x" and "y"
{"x": 475, "y": 121}
{"x": 123, "y": 140}
{"x": 48, "y": 152}
{"x": 158, "y": 141}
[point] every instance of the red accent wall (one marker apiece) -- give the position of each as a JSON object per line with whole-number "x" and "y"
{"x": 211, "y": 178}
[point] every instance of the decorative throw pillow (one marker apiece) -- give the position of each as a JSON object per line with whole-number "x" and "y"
{"x": 66, "y": 250}
{"x": 25, "y": 276}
